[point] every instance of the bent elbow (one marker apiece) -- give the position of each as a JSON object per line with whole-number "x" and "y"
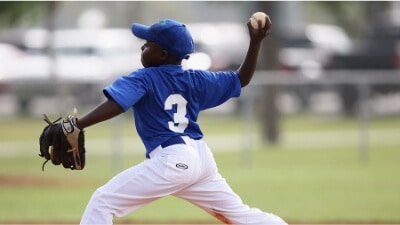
{"x": 244, "y": 83}
{"x": 244, "y": 80}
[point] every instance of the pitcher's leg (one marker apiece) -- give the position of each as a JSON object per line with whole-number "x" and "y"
{"x": 137, "y": 186}
{"x": 124, "y": 193}
{"x": 217, "y": 198}
{"x": 212, "y": 193}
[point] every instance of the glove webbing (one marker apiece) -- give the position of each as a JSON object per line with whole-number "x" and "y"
{"x": 48, "y": 121}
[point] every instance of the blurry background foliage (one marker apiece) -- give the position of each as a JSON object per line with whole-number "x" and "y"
{"x": 351, "y": 15}
{"x": 11, "y": 13}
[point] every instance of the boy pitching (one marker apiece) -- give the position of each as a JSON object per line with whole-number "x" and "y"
{"x": 166, "y": 101}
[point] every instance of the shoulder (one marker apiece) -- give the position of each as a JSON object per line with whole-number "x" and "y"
{"x": 139, "y": 72}
{"x": 214, "y": 75}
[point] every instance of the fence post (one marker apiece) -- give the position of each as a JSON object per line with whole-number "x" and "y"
{"x": 247, "y": 112}
{"x": 363, "y": 118}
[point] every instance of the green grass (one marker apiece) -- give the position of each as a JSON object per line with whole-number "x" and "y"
{"x": 300, "y": 183}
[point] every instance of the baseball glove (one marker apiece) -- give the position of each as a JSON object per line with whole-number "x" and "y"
{"x": 63, "y": 143}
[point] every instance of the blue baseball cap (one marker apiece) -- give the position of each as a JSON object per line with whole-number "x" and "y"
{"x": 171, "y": 35}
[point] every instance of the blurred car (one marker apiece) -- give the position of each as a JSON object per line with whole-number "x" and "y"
{"x": 306, "y": 51}
{"x": 378, "y": 49}
{"x": 91, "y": 55}
{"x": 316, "y": 43}
{"x": 8, "y": 55}
{"x": 218, "y": 45}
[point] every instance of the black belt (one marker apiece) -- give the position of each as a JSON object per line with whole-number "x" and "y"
{"x": 173, "y": 141}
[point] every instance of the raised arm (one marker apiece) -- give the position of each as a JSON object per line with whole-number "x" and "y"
{"x": 248, "y": 66}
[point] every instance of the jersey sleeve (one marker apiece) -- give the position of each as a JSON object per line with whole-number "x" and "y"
{"x": 217, "y": 88}
{"x": 126, "y": 90}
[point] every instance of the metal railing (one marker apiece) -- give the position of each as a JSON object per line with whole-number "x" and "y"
{"x": 361, "y": 79}
{"x": 355, "y": 77}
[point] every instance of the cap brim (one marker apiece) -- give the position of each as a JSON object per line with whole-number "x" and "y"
{"x": 141, "y": 31}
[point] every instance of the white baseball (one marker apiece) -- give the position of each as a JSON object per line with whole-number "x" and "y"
{"x": 258, "y": 16}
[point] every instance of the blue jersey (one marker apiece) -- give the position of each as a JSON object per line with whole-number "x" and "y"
{"x": 167, "y": 100}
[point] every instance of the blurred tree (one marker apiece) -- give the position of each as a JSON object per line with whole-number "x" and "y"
{"x": 269, "y": 111}
{"x": 12, "y": 12}
{"x": 353, "y": 16}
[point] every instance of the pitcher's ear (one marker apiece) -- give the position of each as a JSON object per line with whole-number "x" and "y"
{"x": 164, "y": 55}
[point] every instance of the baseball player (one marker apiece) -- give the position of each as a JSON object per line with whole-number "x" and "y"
{"x": 166, "y": 101}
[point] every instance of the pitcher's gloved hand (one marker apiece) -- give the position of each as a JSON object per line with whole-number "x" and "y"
{"x": 62, "y": 142}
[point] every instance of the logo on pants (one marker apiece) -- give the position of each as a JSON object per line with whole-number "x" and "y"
{"x": 182, "y": 166}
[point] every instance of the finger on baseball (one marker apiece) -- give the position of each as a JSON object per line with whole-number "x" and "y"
{"x": 268, "y": 24}
{"x": 259, "y": 22}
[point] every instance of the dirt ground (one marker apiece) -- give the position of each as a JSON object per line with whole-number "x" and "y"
{"x": 28, "y": 181}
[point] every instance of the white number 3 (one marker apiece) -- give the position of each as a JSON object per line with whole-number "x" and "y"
{"x": 180, "y": 122}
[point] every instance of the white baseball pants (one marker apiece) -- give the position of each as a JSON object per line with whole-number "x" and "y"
{"x": 185, "y": 171}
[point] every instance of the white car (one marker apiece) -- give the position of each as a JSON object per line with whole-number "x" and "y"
{"x": 312, "y": 47}
{"x": 94, "y": 55}
{"x": 77, "y": 60}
